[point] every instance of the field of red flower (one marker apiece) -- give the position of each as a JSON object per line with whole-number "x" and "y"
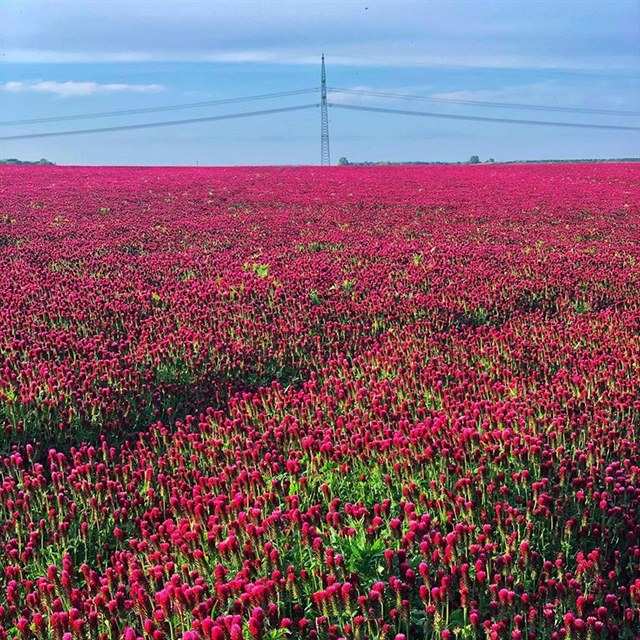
{"x": 359, "y": 403}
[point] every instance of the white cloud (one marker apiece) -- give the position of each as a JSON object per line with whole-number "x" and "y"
{"x": 541, "y": 90}
{"x": 361, "y": 56}
{"x": 598, "y": 94}
{"x": 71, "y": 89}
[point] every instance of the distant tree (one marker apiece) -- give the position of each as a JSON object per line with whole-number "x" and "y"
{"x": 490, "y": 160}
{"x": 474, "y": 160}
{"x": 16, "y": 161}
{"x": 343, "y": 162}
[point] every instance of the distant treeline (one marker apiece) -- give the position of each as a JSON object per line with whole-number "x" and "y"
{"x": 16, "y": 161}
{"x": 490, "y": 161}
{"x": 569, "y": 161}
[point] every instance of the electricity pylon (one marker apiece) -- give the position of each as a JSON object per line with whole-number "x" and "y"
{"x": 325, "y": 156}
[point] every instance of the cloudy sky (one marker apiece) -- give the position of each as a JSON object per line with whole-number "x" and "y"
{"x": 67, "y": 58}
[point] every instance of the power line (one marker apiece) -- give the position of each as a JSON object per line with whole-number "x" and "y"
{"x": 408, "y": 62}
{"x": 174, "y": 107}
{"x": 160, "y": 124}
{"x": 482, "y": 103}
{"x": 483, "y": 119}
{"x": 325, "y": 159}
{"x": 315, "y": 106}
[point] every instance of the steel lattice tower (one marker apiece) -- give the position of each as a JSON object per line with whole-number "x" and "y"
{"x": 325, "y": 156}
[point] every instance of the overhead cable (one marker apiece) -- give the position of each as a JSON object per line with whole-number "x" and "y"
{"x": 408, "y": 62}
{"x": 482, "y": 103}
{"x": 174, "y": 107}
{"x": 168, "y": 123}
{"x": 425, "y": 114}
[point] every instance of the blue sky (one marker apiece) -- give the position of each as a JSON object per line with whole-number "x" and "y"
{"x": 66, "y": 58}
